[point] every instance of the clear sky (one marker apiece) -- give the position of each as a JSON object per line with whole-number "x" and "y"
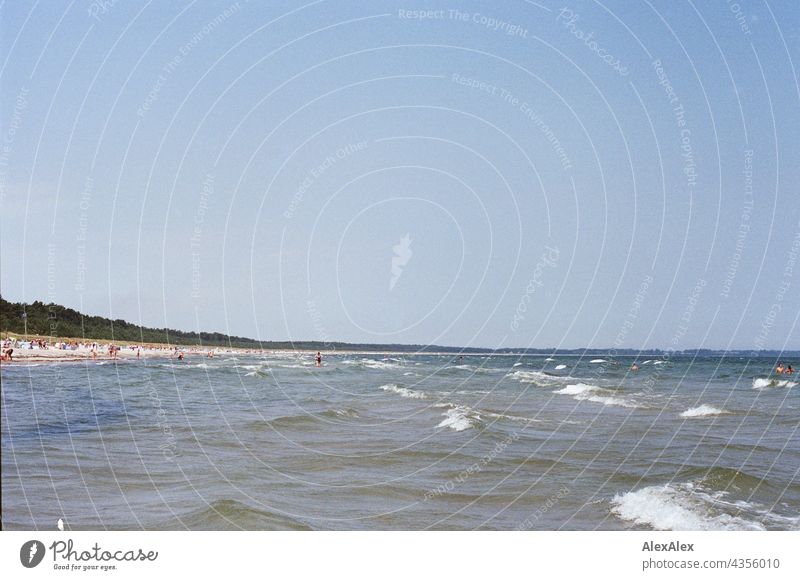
{"x": 600, "y": 174}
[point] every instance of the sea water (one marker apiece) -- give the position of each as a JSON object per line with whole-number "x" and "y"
{"x": 401, "y": 442}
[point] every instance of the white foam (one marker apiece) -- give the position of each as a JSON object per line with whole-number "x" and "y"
{"x": 659, "y": 362}
{"x": 597, "y": 360}
{"x": 760, "y": 383}
{"x": 511, "y": 417}
{"x": 548, "y": 359}
{"x": 670, "y": 507}
{"x": 459, "y": 418}
{"x": 517, "y": 364}
{"x": 647, "y": 362}
{"x": 531, "y": 376}
{"x": 404, "y": 392}
{"x": 583, "y": 392}
{"x": 202, "y": 366}
{"x": 703, "y": 411}
{"x": 578, "y": 389}
{"x": 378, "y": 364}
{"x": 560, "y": 367}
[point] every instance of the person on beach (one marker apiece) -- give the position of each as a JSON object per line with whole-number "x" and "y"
{"x": 779, "y": 369}
{"x": 319, "y": 359}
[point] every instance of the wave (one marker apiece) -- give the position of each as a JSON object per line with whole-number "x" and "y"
{"x": 760, "y": 383}
{"x": 560, "y": 367}
{"x": 404, "y": 392}
{"x": 538, "y": 377}
{"x": 659, "y": 362}
{"x": 374, "y": 364}
{"x": 495, "y": 415}
{"x": 726, "y": 478}
{"x": 597, "y": 360}
{"x": 677, "y": 507}
{"x": 229, "y": 514}
{"x": 548, "y": 359}
{"x": 339, "y": 413}
{"x": 583, "y": 392}
{"x": 703, "y": 411}
{"x": 471, "y": 368}
{"x": 459, "y": 418}
{"x": 517, "y": 364}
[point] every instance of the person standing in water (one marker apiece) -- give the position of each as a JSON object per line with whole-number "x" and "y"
{"x": 319, "y": 359}
{"x": 779, "y": 369}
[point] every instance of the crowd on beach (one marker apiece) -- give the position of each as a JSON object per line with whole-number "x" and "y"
{"x": 37, "y": 348}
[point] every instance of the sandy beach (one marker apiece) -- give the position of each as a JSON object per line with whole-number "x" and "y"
{"x": 83, "y": 351}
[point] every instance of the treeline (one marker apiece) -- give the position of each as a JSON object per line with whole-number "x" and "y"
{"x": 53, "y": 320}
{"x": 56, "y": 321}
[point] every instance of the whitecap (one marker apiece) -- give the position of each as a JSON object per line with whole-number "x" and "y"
{"x": 510, "y": 417}
{"x": 703, "y": 411}
{"x": 597, "y": 360}
{"x": 548, "y": 359}
{"x": 459, "y": 418}
{"x": 377, "y": 364}
{"x": 583, "y": 392}
{"x": 760, "y": 383}
{"x": 560, "y": 367}
{"x": 671, "y": 507}
{"x": 530, "y": 376}
{"x": 404, "y": 392}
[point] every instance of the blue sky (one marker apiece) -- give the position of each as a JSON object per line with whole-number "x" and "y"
{"x": 524, "y": 174}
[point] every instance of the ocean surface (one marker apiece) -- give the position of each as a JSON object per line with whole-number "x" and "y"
{"x": 401, "y": 443}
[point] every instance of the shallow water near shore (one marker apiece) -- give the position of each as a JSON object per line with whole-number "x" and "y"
{"x": 401, "y": 442}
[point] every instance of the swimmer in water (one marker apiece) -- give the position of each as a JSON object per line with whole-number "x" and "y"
{"x": 319, "y": 359}
{"x": 180, "y": 356}
{"x": 779, "y": 369}
{"x": 789, "y": 370}
{"x": 634, "y": 367}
